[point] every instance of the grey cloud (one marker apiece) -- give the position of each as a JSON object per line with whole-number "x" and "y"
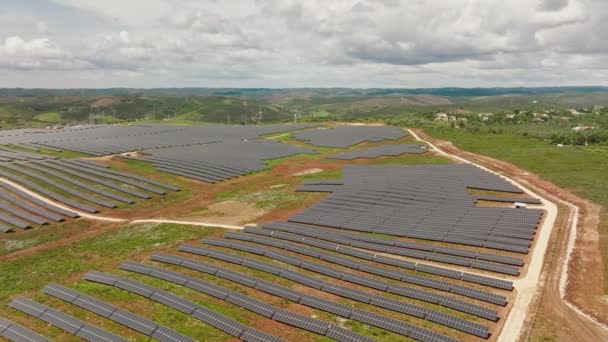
{"x": 319, "y": 43}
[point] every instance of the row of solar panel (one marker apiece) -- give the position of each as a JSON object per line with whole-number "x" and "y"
{"x": 67, "y": 171}
{"x": 17, "y": 333}
{"x": 316, "y": 302}
{"x": 498, "y": 283}
{"x": 361, "y": 280}
{"x": 22, "y": 199}
{"x": 456, "y": 239}
{"x": 39, "y": 189}
{"x": 405, "y": 277}
{"x": 343, "y": 240}
{"x": 113, "y": 313}
{"x": 58, "y": 185}
{"x": 375, "y": 216}
{"x": 316, "y": 231}
{"x": 70, "y": 171}
{"x": 11, "y": 154}
{"x": 266, "y": 310}
{"x": 380, "y": 151}
{"x": 197, "y": 311}
{"x": 63, "y": 321}
{"x": 346, "y": 136}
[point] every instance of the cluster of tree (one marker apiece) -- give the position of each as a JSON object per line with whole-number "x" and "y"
{"x": 580, "y": 138}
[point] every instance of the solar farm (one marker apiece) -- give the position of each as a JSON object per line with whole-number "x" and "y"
{"x": 361, "y": 233}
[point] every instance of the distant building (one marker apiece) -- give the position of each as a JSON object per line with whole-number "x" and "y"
{"x": 441, "y": 117}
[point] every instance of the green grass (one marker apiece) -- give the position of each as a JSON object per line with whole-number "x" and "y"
{"x": 104, "y": 252}
{"x": 50, "y": 117}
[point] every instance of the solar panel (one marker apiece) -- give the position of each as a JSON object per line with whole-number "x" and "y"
{"x": 199, "y": 312}
{"x": 63, "y": 321}
{"x": 17, "y": 333}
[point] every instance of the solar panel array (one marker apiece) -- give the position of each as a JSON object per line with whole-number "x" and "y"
{"x": 343, "y": 310}
{"x": 373, "y": 269}
{"x": 413, "y": 250}
{"x": 380, "y": 151}
{"x": 114, "y": 139}
{"x": 118, "y": 315}
{"x": 251, "y": 304}
{"x": 64, "y": 321}
{"x": 349, "y": 238}
{"x": 430, "y": 202}
{"x": 209, "y": 153}
{"x": 17, "y": 333}
{"x": 10, "y": 154}
{"x": 220, "y": 161}
{"x": 346, "y": 136}
{"x": 197, "y": 311}
{"x": 89, "y": 186}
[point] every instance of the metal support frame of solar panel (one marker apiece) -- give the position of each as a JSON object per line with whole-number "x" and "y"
{"x": 405, "y": 250}
{"x": 15, "y": 332}
{"x": 251, "y": 304}
{"x": 379, "y": 284}
{"x": 504, "y": 284}
{"x": 47, "y": 168}
{"x": 320, "y": 232}
{"x": 299, "y": 297}
{"x": 21, "y": 214}
{"x": 381, "y": 151}
{"x": 36, "y": 201}
{"x": 116, "y": 314}
{"x": 357, "y": 295}
{"x": 197, "y": 311}
{"x": 64, "y": 321}
{"x": 60, "y": 186}
{"x": 96, "y": 180}
{"x": 107, "y": 175}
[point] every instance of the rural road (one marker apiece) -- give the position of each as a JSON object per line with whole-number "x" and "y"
{"x": 528, "y": 287}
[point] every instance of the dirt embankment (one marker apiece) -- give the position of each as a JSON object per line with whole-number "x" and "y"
{"x": 553, "y": 316}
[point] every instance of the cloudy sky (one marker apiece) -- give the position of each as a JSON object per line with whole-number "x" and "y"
{"x": 302, "y": 43}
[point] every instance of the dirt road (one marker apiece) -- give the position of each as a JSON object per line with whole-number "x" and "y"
{"x": 549, "y": 274}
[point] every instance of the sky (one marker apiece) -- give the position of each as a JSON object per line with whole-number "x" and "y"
{"x": 302, "y": 43}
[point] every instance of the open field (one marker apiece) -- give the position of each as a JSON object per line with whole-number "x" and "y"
{"x": 461, "y": 278}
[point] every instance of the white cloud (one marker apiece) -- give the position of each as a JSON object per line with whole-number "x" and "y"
{"x": 319, "y": 43}
{"x": 124, "y": 36}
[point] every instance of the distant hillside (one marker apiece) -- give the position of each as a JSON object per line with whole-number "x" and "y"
{"x": 297, "y": 92}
